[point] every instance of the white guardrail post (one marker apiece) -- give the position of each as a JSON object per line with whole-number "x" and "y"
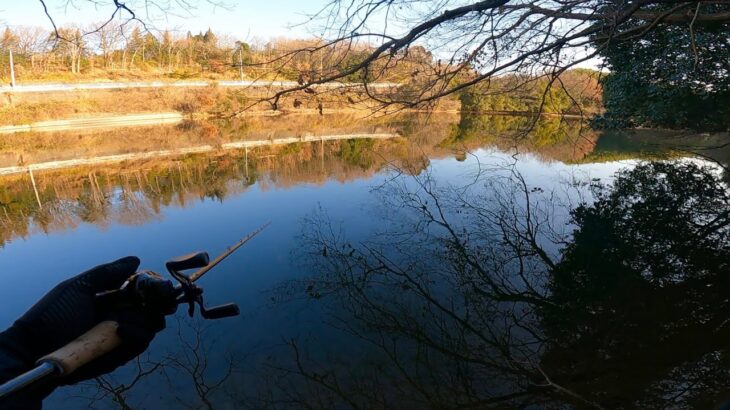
{"x": 12, "y": 69}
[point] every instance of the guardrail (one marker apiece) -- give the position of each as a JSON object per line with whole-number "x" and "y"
{"x": 52, "y": 87}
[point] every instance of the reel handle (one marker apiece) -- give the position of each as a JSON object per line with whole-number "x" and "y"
{"x": 220, "y": 311}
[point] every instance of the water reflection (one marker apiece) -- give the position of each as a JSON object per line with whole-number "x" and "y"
{"x": 547, "y": 137}
{"x": 648, "y": 325}
{"x": 136, "y": 193}
{"x": 43, "y": 190}
{"x": 495, "y": 277}
{"x": 491, "y": 302}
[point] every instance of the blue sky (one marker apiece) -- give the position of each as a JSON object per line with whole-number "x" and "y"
{"x": 246, "y": 20}
{"x": 243, "y": 19}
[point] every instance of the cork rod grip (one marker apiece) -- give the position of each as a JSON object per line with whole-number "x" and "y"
{"x": 98, "y": 341}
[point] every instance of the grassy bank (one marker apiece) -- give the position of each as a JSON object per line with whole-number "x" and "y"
{"x": 211, "y": 101}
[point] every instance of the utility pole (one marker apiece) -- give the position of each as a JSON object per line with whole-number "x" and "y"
{"x": 321, "y": 67}
{"x": 240, "y": 60}
{"x": 12, "y": 70}
{"x": 32, "y": 180}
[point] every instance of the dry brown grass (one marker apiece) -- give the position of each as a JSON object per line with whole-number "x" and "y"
{"x": 32, "y": 107}
{"x": 211, "y": 101}
{"x": 96, "y": 74}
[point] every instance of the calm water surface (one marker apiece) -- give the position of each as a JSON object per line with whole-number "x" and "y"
{"x": 157, "y": 208}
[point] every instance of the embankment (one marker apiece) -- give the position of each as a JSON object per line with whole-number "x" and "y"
{"x": 199, "y": 100}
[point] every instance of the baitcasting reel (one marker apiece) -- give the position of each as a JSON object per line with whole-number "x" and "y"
{"x": 151, "y": 290}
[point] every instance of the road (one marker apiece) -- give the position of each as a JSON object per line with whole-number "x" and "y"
{"x": 54, "y": 87}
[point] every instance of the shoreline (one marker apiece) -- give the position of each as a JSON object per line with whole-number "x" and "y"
{"x": 106, "y": 159}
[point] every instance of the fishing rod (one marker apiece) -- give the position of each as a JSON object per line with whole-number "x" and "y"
{"x": 145, "y": 288}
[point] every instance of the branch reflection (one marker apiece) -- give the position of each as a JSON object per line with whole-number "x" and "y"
{"x": 482, "y": 296}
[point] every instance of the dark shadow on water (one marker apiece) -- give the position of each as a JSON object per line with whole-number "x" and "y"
{"x": 466, "y": 303}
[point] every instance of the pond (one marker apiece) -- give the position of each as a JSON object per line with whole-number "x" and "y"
{"x": 416, "y": 260}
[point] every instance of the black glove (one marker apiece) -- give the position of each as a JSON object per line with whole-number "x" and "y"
{"x": 63, "y": 314}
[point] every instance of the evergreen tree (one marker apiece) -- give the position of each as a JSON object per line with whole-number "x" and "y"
{"x": 674, "y": 77}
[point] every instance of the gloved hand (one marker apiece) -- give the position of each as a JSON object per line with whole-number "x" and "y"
{"x": 68, "y": 311}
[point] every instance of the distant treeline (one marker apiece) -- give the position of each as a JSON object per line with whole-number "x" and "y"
{"x": 120, "y": 51}
{"x": 573, "y": 92}
{"x": 115, "y": 50}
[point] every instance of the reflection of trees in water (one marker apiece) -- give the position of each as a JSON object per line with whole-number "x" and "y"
{"x": 129, "y": 196}
{"x": 627, "y": 144}
{"x": 640, "y": 296}
{"x": 188, "y": 372}
{"x": 30, "y": 148}
{"x": 434, "y": 295}
{"x": 570, "y": 141}
{"x": 136, "y": 193}
{"x": 475, "y": 298}
{"x": 99, "y": 196}
{"x": 481, "y": 296}
{"x": 551, "y": 138}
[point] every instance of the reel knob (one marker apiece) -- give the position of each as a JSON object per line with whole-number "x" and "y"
{"x": 220, "y": 311}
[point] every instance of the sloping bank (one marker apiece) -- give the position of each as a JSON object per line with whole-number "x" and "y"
{"x": 95, "y": 122}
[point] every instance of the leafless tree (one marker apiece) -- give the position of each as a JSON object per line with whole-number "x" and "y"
{"x": 109, "y": 387}
{"x": 145, "y": 13}
{"x": 188, "y": 364}
{"x": 193, "y": 363}
{"x": 446, "y": 296}
{"x": 477, "y": 42}
{"x": 456, "y": 303}
{"x": 32, "y": 41}
{"x": 72, "y": 47}
{"x": 107, "y": 39}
